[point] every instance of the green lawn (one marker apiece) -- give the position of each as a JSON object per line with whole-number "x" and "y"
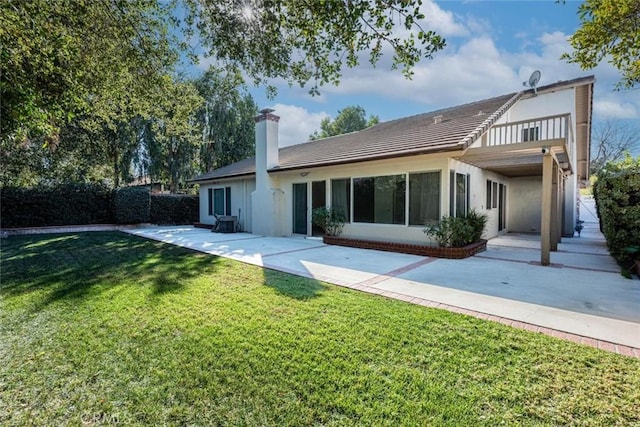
{"x": 106, "y": 328}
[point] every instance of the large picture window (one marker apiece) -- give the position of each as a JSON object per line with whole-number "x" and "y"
{"x": 424, "y": 198}
{"x": 341, "y": 196}
{"x": 379, "y": 199}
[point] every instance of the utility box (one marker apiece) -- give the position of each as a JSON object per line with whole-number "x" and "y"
{"x": 226, "y": 224}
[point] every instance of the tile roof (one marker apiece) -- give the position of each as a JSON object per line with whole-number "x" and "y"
{"x": 396, "y": 138}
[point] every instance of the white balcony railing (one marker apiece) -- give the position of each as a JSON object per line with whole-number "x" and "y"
{"x": 539, "y": 129}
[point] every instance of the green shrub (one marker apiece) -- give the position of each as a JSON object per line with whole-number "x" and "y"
{"x": 617, "y": 194}
{"x": 331, "y": 221}
{"x": 131, "y": 205}
{"x": 68, "y": 204}
{"x": 174, "y": 209}
{"x": 455, "y": 232}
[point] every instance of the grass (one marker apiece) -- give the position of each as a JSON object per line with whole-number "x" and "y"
{"x": 106, "y": 328}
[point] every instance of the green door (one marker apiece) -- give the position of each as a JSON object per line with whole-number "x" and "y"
{"x": 300, "y": 208}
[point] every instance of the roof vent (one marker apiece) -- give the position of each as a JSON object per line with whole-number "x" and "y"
{"x": 437, "y": 119}
{"x": 480, "y": 113}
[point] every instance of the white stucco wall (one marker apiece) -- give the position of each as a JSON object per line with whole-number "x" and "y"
{"x": 240, "y": 200}
{"x": 401, "y": 166}
{"x": 525, "y": 201}
{"x": 545, "y": 104}
{"x": 385, "y": 232}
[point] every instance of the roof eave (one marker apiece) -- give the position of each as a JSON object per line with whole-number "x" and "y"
{"x": 488, "y": 122}
{"x": 218, "y": 178}
{"x": 408, "y": 153}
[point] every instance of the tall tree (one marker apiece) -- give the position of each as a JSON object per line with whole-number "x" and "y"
{"x": 612, "y": 140}
{"x": 303, "y": 41}
{"x": 63, "y": 58}
{"x": 349, "y": 119}
{"x": 226, "y": 118}
{"x": 610, "y": 29}
{"x": 79, "y": 156}
{"x": 174, "y": 137}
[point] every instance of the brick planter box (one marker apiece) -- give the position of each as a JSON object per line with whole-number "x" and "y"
{"x": 406, "y": 248}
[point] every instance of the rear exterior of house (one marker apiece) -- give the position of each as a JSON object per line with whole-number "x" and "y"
{"x": 517, "y": 157}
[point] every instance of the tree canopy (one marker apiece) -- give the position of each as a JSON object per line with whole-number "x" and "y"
{"x": 227, "y": 120}
{"x": 349, "y": 119}
{"x": 63, "y": 58}
{"x": 90, "y": 90}
{"x": 311, "y": 41}
{"x": 610, "y": 29}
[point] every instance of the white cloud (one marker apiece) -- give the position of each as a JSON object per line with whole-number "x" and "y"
{"x": 296, "y": 124}
{"x": 473, "y": 68}
{"x": 613, "y": 109}
{"x": 476, "y": 70}
{"x": 441, "y": 21}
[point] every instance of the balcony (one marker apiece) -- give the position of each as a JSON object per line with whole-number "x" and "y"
{"x": 515, "y": 149}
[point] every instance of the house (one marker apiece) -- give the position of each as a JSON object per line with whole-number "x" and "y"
{"x": 518, "y": 157}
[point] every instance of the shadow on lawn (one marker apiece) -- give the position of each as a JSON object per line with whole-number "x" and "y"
{"x": 86, "y": 264}
{"x": 293, "y": 286}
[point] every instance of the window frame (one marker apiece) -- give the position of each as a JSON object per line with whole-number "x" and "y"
{"x": 408, "y": 196}
{"x": 396, "y": 194}
{"x": 348, "y": 212}
{"x": 453, "y": 192}
{"x": 531, "y": 133}
{"x": 210, "y": 200}
{"x": 226, "y": 198}
{"x": 489, "y": 192}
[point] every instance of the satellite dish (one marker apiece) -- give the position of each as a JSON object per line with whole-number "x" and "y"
{"x": 533, "y": 81}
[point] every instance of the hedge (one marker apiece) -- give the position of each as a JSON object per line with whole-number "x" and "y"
{"x": 69, "y": 204}
{"x": 617, "y": 194}
{"x": 174, "y": 209}
{"x": 131, "y": 205}
{"x": 81, "y": 204}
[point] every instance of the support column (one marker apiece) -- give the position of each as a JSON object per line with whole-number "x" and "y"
{"x": 545, "y": 226}
{"x": 554, "y": 209}
{"x": 560, "y": 205}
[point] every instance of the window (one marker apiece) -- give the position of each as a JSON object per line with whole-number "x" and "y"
{"x": 530, "y": 134}
{"x": 492, "y": 194}
{"x": 227, "y": 200}
{"x": 458, "y": 193}
{"x": 220, "y": 201}
{"x": 379, "y": 199}
{"x": 341, "y": 196}
{"x": 424, "y": 198}
{"x": 489, "y": 200}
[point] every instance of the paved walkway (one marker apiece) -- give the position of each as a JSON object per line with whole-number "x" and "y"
{"x": 582, "y": 297}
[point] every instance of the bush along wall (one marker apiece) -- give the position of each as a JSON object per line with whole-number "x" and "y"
{"x": 131, "y": 205}
{"x": 174, "y": 209}
{"x": 69, "y": 204}
{"x": 617, "y": 194}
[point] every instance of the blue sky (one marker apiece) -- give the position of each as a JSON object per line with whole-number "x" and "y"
{"x": 492, "y": 47}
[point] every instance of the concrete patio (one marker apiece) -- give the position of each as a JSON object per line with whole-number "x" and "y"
{"x": 581, "y": 297}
